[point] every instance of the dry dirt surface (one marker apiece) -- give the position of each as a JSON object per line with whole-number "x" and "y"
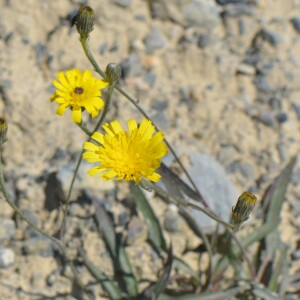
{"x": 220, "y": 78}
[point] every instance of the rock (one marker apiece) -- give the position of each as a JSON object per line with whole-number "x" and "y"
{"x": 123, "y": 218}
{"x": 246, "y": 69}
{"x": 171, "y": 220}
{"x": 203, "y": 40}
{"x": 7, "y": 229}
{"x": 235, "y": 10}
{"x": 273, "y": 38}
{"x": 282, "y": 117}
{"x": 226, "y": 155}
{"x": 296, "y": 24}
{"x": 296, "y": 107}
{"x": 131, "y": 66}
{"x": 38, "y": 246}
{"x": 7, "y": 257}
{"x": 262, "y": 84}
{"x": 150, "y": 78}
{"x": 224, "y": 2}
{"x": 77, "y": 210}
{"x": 201, "y": 13}
{"x": 266, "y": 117}
{"x": 216, "y": 187}
{"x": 155, "y": 40}
{"x": 123, "y": 3}
{"x": 247, "y": 170}
{"x": 136, "y": 231}
{"x": 242, "y": 27}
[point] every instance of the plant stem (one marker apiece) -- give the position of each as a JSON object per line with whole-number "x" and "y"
{"x": 191, "y": 203}
{"x": 92, "y": 60}
{"x": 85, "y": 130}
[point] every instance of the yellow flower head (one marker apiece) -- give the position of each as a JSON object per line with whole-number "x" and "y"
{"x": 128, "y": 155}
{"x": 78, "y": 90}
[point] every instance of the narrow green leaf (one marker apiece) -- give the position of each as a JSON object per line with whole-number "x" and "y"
{"x": 180, "y": 264}
{"x": 276, "y": 196}
{"x": 155, "y": 234}
{"x": 278, "y": 269}
{"x": 163, "y": 280}
{"x": 107, "y": 229}
{"x": 108, "y": 284}
{"x": 175, "y": 185}
{"x": 153, "y": 291}
{"x": 220, "y": 295}
{"x": 121, "y": 261}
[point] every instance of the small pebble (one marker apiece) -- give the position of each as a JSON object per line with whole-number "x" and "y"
{"x": 171, "y": 221}
{"x": 262, "y": 83}
{"x": 7, "y": 257}
{"x": 155, "y": 40}
{"x": 296, "y": 23}
{"x": 38, "y": 246}
{"x": 246, "y": 69}
{"x": 7, "y": 229}
{"x": 282, "y": 117}
{"x": 266, "y": 117}
{"x": 135, "y": 230}
{"x": 247, "y": 170}
{"x": 273, "y": 38}
{"x": 224, "y": 2}
{"x": 123, "y": 3}
{"x": 203, "y": 40}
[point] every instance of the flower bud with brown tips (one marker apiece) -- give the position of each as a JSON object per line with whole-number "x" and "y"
{"x": 85, "y": 21}
{"x": 241, "y": 212}
{"x": 113, "y": 72}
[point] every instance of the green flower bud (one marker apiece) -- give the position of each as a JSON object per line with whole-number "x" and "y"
{"x": 241, "y": 212}
{"x": 3, "y": 131}
{"x": 85, "y": 21}
{"x": 113, "y": 72}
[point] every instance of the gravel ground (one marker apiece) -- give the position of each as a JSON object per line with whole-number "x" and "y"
{"x": 220, "y": 78}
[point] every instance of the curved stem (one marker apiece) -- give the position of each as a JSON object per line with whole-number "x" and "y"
{"x": 85, "y": 130}
{"x": 92, "y": 60}
{"x": 55, "y": 241}
{"x": 191, "y": 203}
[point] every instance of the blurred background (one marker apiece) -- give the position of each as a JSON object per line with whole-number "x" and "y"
{"x": 220, "y": 78}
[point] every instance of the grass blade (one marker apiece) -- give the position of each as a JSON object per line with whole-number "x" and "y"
{"x": 220, "y": 295}
{"x": 152, "y": 292}
{"x": 155, "y": 234}
{"x": 122, "y": 265}
{"x": 108, "y": 285}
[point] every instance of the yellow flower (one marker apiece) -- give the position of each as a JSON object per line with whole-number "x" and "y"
{"x": 78, "y": 90}
{"x": 128, "y": 155}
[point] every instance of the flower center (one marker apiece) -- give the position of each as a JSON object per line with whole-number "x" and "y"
{"x": 78, "y": 90}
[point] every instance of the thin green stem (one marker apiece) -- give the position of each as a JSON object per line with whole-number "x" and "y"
{"x": 20, "y": 213}
{"x": 191, "y": 203}
{"x": 88, "y": 53}
{"x": 89, "y": 133}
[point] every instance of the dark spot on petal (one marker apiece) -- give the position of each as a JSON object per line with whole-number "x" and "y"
{"x": 78, "y": 90}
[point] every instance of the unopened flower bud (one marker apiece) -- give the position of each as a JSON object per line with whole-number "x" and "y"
{"x": 241, "y": 212}
{"x": 85, "y": 21}
{"x": 3, "y": 131}
{"x": 113, "y": 72}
